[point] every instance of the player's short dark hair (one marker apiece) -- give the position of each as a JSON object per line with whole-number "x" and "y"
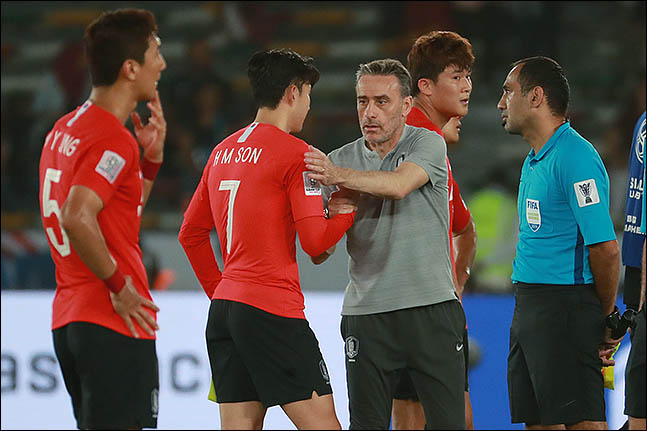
{"x": 272, "y": 71}
{"x": 386, "y": 67}
{"x": 546, "y": 73}
{"x": 114, "y": 37}
{"x": 431, "y": 53}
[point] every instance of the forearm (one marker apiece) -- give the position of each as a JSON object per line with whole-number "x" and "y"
{"x": 318, "y": 260}
{"x": 89, "y": 244}
{"x": 465, "y": 246}
{"x": 149, "y": 169}
{"x": 196, "y": 243}
{"x": 318, "y": 234}
{"x": 147, "y": 187}
{"x": 605, "y": 266}
{"x": 384, "y": 184}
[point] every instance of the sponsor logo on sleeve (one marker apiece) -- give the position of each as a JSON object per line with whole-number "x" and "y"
{"x": 586, "y": 192}
{"x": 533, "y": 215}
{"x": 311, "y": 187}
{"x": 110, "y": 165}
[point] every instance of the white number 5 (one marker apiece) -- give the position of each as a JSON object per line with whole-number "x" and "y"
{"x": 50, "y": 206}
{"x": 232, "y": 186}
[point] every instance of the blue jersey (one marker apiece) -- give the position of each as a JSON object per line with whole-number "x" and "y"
{"x": 634, "y": 235}
{"x": 563, "y": 207}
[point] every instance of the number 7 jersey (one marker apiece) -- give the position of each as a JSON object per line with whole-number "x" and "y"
{"x": 90, "y": 147}
{"x": 254, "y": 189}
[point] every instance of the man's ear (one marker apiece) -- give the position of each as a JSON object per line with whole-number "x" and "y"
{"x": 129, "y": 69}
{"x": 536, "y": 97}
{"x": 291, "y": 94}
{"x": 424, "y": 85}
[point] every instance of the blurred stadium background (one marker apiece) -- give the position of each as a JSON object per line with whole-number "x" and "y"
{"x": 205, "y": 95}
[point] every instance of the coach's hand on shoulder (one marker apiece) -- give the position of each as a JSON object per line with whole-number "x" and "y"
{"x": 130, "y": 304}
{"x": 151, "y": 136}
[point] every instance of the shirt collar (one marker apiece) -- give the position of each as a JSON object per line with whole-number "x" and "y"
{"x": 551, "y": 142}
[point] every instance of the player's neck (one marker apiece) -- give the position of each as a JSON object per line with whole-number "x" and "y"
{"x": 541, "y": 130}
{"x": 278, "y": 117}
{"x": 423, "y": 103}
{"x": 111, "y": 98}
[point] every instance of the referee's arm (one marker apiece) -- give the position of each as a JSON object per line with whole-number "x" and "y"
{"x": 605, "y": 266}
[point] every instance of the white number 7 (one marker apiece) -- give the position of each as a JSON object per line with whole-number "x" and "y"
{"x": 51, "y": 206}
{"x": 232, "y": 186}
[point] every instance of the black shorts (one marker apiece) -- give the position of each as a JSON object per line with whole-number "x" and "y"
{"x": 428, "y": 342}
{"x": 259, "y": 356}
{"x": 635, "y": 371}
{"x": 554, "y": 370}
{"x": 404, "y": 389}
{"x": 113, "y": 379}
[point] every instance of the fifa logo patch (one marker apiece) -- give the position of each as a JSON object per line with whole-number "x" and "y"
{"x": 311, "y": 187}
{"x": 324, "y": 371}
{"x": 587, "y": 193}
{"x": 110, "y": 165}
{"x": 351, "y": 345}
{"x": 533, "y": 215}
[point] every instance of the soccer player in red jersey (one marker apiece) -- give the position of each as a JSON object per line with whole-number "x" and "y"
{"x": 440, "y": 64}
{"x": 256, "y": 192}
{"x": 93, "y": 186}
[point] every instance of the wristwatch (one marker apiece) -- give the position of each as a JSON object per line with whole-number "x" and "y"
{"x": 612, "y": 321}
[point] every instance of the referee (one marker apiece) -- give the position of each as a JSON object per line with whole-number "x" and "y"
{"x": 566, "y": 268}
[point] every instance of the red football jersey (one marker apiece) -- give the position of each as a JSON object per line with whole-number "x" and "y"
{"x": 254, "y": 190}
{"x": 90, "y": 147}
{"x": 459, "y": 215}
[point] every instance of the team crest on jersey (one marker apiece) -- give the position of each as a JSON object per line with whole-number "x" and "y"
{"x": 351, "y": 345}
{"x": 533, "y": 214}
{"x": 640, "y": 142}
{"x": 587, "y": 193}
{"x": 311, "y": 187}
{"x": 324, "y": 371}
{"x": 110, "y": 165}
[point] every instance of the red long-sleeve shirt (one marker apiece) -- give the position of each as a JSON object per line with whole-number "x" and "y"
{"x": 256, "y": 192}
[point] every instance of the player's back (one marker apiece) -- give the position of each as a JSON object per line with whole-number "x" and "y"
{"x": 253, "y": 177}
{"x": 90, "y": 147}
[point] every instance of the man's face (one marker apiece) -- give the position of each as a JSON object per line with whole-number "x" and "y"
{"x": 302, "y": 107}
{"x": 381, "y": 109}
{"x": 151, "y": 70}
{"x": 450, "y": 95}
{"x": 513, "y": 105}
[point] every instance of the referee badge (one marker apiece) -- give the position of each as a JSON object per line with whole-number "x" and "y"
{"x": 533, "y": 215}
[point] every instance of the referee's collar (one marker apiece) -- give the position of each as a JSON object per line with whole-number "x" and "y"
{"x": 551, "y": 142}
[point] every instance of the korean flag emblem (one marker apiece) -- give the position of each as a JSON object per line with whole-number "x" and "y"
{"x": 533, "y": 215}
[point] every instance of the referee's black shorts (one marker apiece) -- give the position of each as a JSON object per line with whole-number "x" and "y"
{"x": 554, "y": 370}
{"x": 113, "y": 379}
{"x": 635, "y": 371}
{"x": 259, "y": 356}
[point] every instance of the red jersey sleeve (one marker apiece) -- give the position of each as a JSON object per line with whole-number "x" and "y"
{"x": 304, "y": 194}
{"x": 461, "y": 212}
{"x": 105, "y": 164}
{"x": 317, "y": 234}
{"x": 194, "y": 237}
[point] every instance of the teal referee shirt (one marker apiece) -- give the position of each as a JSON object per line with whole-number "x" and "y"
{"x": 563, "y": 207}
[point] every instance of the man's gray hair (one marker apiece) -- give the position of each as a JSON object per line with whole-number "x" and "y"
{"x": 386, "y": 67}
